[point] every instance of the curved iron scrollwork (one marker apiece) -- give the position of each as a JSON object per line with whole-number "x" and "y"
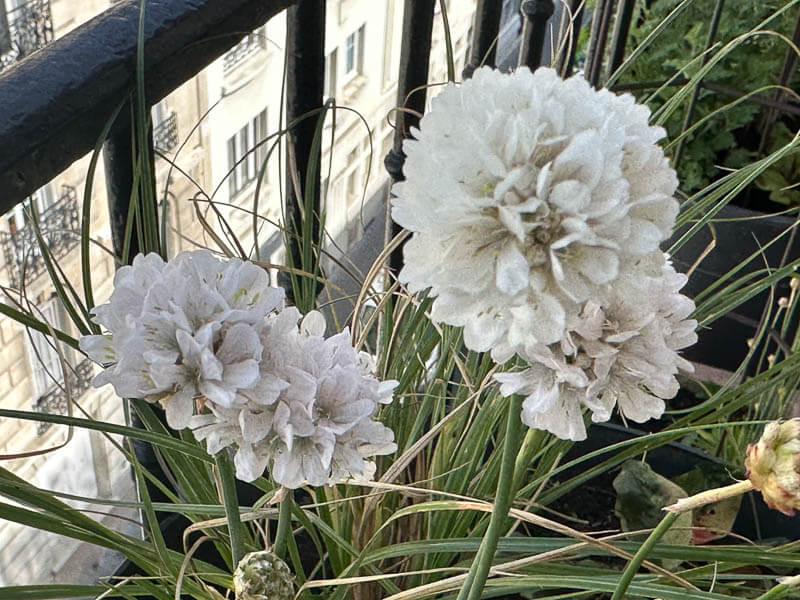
{"x": 60, "y": 227}
{"x": 55, "y": 401}
{"x": 30, "y": 27}
{"x": 250, "y": 44}
{"x": 165, "y": 133}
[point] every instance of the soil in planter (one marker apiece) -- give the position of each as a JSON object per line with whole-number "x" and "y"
{"x": 589, "y": 507}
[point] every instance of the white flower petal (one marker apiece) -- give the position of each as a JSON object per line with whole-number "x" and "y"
{"x": 313, "y": 324}
{"x": 179, "y": 408}
{"x": 512, "y": 270}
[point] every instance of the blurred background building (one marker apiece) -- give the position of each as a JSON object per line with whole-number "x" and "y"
{"x": 208, "y": 137}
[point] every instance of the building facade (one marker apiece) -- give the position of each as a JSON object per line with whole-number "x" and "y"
{"x": 214, "y": 136}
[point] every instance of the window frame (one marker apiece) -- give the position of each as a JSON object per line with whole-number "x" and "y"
{"x": 45, "y": 362}
{"x": 246, "y": 153}
{"x": 331, "y": 72}
{"x": 354, "y": 53}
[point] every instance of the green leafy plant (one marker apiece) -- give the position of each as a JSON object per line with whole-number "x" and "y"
{"x": 729, "y": 131}
{"x": 782, "y": 179}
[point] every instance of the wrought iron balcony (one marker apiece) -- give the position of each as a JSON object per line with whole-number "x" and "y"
{"x": 59, "y": 225}
{"x": 251, "y": 44}
{"x": 30, "y": 27}
{"x": 165, "y": 133}
{"x": 55, "y": 401}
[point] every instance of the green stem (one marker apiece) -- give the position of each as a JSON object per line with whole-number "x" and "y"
{"x": 529, "y": 447}
{"x": 231, "y": 502}
{"x": 284, "y": 520}
{"x": 479, "y": 571}
{"x": 641, "y": 554}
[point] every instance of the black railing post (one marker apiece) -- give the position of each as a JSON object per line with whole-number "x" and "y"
{"x": 119, "y": 160}
{"x": 622, "y": 26}
{"x": 571, "y": 19}
{"x": 305, "y": 75}
{"x": 601, "y": 20}
{"x": 787, "y": 70}
{"x": 537, "y": 13}
{"x": 687, "y": 120}
{"x": 484, "y": 36}
{"x": 411, "y": 91}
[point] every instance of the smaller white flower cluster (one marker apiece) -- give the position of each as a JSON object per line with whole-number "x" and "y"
{"x": 310, "y": 415}
{"x": 210, "y": 341}
{"x": 621, "y": 351}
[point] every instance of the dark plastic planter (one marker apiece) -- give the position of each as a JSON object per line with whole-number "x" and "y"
{"x": 724, "y": 343}
{"x": 755, "y": 521}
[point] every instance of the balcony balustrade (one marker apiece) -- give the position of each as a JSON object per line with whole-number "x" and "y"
{"x": 252, "y": 43}
{"x": 56, "y": 401}
{"x": 30, "y": 27}
{"x": 59, "y": 225}
{"x": 165, "y": 133}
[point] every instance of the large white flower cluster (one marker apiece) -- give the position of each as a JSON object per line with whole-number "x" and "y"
{"x": 537, "y": 206}
{"x": 210, "y": 341}
{"x": 526, "y": 193}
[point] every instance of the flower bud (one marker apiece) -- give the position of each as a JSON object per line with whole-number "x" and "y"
{"x": 263, "y": 576}
{"x": 773, "y": 465}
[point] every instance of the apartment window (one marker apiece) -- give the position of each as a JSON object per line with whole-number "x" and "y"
{"x": 331, "y": 64}
{"x": 246, "y": 153}
{"x": 510, "y": 8}
{"x": 352, "y": 187}
{"x": 354, "y": 53}
{"x": 45, "y": 362}
{"x": 41, "y": 199}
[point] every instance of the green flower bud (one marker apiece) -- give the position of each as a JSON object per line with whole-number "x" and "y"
{"x": 263, "y": 576}
{"x": 773, "y": 465}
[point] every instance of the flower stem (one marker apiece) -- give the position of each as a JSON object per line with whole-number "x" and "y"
{"x": 641, "y": 554}
{"x": 284, "y": 521}
{"x": 231, "y": 502}
{"x": 529, "y": 446}
{"x": 472, "y": 587}
{"x": 710, "y": 496}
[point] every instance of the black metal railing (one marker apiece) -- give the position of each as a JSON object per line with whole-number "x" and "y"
{"x": 56, "y": 102}
{"x": 252, "y": 43}
{"x": 59, "y": 225}
{"x": 56, "y": 401}
{"x": 165, "y": 133}
{"x": 30, "y": 27}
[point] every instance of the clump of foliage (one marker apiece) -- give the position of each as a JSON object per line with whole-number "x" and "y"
{"x": 782, "y": 179}
{"x": 731, "y": 135}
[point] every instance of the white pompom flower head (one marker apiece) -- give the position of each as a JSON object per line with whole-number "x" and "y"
{"x": 183, "y": 331}
{"x": 309, "y": 419}
{"x": 525, "y": 194}
{"x": 211, "y": 342}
